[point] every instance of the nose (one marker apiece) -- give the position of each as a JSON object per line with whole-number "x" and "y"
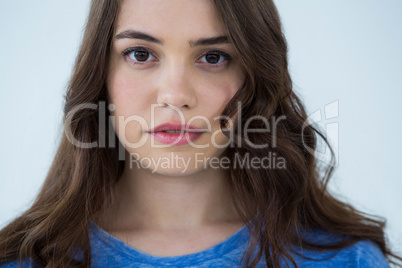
{"x": 176, "y": 86}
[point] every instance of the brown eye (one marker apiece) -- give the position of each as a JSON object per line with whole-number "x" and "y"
{"x": 212, "y": 58}
{"x": 141, "y": 55}
{"x": 138, "y": 54}
{"x": 216, "y": 57}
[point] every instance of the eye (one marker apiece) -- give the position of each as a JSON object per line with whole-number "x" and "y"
{"x": 215, "y": 57}
{"x": 138, "y": 54}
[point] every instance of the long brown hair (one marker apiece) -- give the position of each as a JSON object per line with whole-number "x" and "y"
{"x": 280, "y": 204}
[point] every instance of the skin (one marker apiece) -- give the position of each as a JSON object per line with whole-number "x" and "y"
{"x": 171, "y": 211}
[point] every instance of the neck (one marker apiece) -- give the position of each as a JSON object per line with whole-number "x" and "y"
{"x": 146, "y": 200}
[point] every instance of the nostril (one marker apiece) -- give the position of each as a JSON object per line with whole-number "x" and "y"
{"x": 164, "y": 104}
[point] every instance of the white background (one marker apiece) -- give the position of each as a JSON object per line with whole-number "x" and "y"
{"x": 345, "y": 51}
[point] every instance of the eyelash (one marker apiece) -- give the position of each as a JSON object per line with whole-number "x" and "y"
{"x": 226, "y": 56}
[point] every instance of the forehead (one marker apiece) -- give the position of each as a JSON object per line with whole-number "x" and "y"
{"x": 171, "y": 18}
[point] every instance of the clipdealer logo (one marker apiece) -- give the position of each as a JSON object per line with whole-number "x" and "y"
{"x": 331, "y": 112}
{"x": 175, "y": 161}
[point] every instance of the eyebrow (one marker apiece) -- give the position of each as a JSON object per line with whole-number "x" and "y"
{"x": 131, "y": 34}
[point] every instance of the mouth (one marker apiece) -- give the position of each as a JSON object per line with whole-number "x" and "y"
{"x": 178, "y": 131}
{"x": 176, "y": 134}
{"x": 173, "y": 131}
{"x": 175, "y": 128}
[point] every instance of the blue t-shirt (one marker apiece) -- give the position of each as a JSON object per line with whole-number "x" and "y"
{"x": 108, "y": 251}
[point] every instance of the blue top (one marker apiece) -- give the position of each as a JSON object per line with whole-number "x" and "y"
{"x": 108, "y": 251}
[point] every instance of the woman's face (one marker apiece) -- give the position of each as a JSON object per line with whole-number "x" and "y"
{"x": 171, "y": 63}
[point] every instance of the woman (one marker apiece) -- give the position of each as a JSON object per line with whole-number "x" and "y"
{"x": 195, "y": 94}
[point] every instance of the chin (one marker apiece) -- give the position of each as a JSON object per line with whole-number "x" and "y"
{"x": 177, "y": 172}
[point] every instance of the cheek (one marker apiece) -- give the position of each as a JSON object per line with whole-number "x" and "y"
{"x": 127, "y": 93}
{"x": 221, "y": 91}
{"x": 225, "y": 91}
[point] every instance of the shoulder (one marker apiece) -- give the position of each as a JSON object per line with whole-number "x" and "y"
{"x": 17, "y": 264}
{"x": 364, "y": 253}
{"x": 367, "y": 254}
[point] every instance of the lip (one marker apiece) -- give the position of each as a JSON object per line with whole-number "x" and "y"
{"x": 175, "y": 126}
{"x": 189, "y": 133}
